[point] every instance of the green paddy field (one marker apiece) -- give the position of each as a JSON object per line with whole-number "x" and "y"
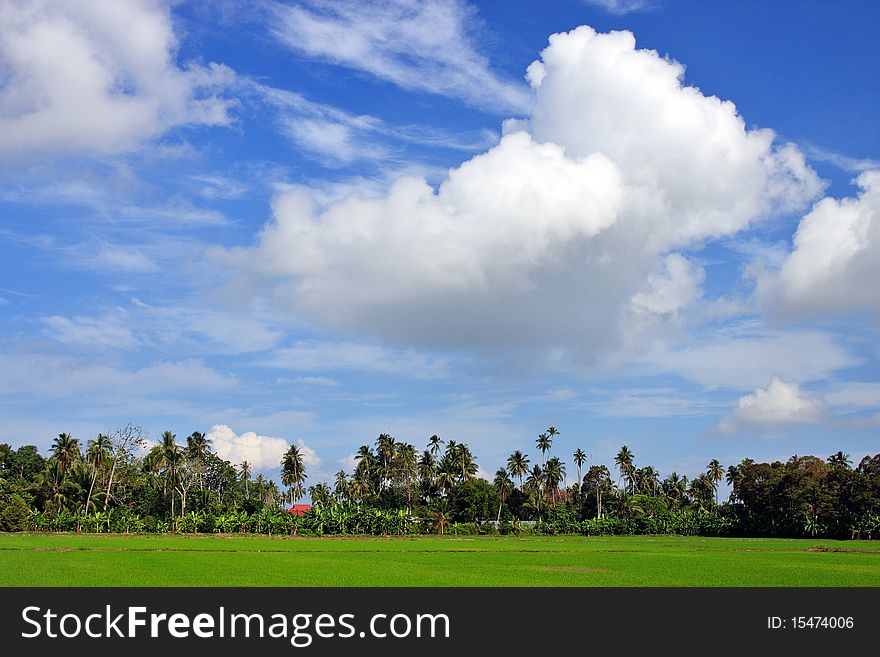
{"x": 149, "y": 560}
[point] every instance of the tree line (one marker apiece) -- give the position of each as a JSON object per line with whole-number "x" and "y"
{"x": 116, "y": 483}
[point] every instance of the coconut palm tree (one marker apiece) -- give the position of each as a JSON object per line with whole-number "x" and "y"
{"x": 646, "y": 480}
{"x": 504, "y": 485}
{"x": 245, "y": 469}
{"x": 700, "y": 492}
{"x": 534, "y": 486}
{"x": 386, "y": 449}
{"x": 598, "y": 478}
{"x": 174, "y": 463}
{"x": 733, "y": 478}
{"x": 715, "y": 473}
{"x": 518, "y": 466}
{"x": 320, "y": 493}
{"x": 579, "y": 459}
{"x": 544, "y": 442}
{"x": 554, "y": 472}
{"x": 624, "y": 462}
{"x": 341, "y": 488}
{"x": 65, "y": 448}
{"x": 293, "y": 473}
{"x": 463, "y": 462}
{"x": 197, "y": 445}
{"x": 434, "y": 443}
{"x": 98, "y": 452}
{"x": 551, "y": 433}
{"x": 840, "y": 459}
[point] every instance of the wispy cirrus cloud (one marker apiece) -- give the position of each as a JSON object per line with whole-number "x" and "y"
{"x": 328, "y": 356}
{"x": 422, "y": 46}
{"x": 337, "y": 137}
{"x": 620, "y": 7}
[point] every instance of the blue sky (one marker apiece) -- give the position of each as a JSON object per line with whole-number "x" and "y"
{"x": 645, "y": 223}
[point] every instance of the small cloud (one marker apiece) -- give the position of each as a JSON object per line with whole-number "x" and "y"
{"x": 119, "y": 257}
{"x": 219, "y": 187}
{"x": 106, "y": 331}
{"x": 841, "y": 161}
{"x": 777, "y": 405}
{"x": 620, "y": 7}
{"x": 324, "y": 381}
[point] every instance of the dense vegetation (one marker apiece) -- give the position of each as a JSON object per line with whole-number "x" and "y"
{"x": 116, "y": 484}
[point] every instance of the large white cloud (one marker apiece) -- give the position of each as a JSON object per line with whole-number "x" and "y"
{"x": 558, "y": 238}
{"x": 695, "y": 170}
{"x": 96, "y": 76}
{"x": 835, "y": 261}
{"x": 261, "y": 452}
{"x": 779, "y": 404}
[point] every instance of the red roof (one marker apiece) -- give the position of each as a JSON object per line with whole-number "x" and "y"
{"x": 300, "y": 509}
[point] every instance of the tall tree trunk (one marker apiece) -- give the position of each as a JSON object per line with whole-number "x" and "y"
{"x": 110, "y": 484}
{"x": 91, "y": 488}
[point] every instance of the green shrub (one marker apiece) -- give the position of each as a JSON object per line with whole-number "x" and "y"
{"x": 15, "y": 515}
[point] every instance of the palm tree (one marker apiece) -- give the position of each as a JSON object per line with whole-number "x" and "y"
{"x": 715, "y": 473}
{"x": 646, "y": 480}
{"x": 554, "y": 472}
{"x": 734, "y": 476}
{"x": 579, "y": 459}
{"x": 434, "y": 443}
{"x": 66, "y": 449}
{"x": 544, "y": 442}
{"x": 518, "y": 466}
{"x": 320, "y": 493}
{"x": 293, "y": 473}
{"x": 534, "y": 485}
{"x": 98, "y": 452}
{"x": 171, "y": 473}
{"x": 197, "y": 445}
{"x": 341, "y": 489}
{"x": 624, "y": 462}
{"x": 535, "y": 480}
{"x": 600, "y": 479}
{"x": 161, "y": 455}
{"x": 386, "y": 449}
{"x": 551, "y": 433}
{"x": 463, "y": 462}
{"x": 504, "y": 485}
{"x": 245, "y": 469}
{"x": 840, "y": 459}
{"x": 700, "y": 491}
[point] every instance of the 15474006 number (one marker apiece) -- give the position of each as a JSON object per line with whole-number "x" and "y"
{"x": 810, "y": 622}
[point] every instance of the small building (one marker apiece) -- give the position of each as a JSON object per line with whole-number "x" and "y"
{"x": 300, "y": 509}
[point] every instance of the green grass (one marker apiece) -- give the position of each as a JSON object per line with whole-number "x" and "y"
{"x": 117, "y": 560}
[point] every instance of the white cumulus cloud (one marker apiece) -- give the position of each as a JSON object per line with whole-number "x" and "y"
{"x": 779, "y": 404}
{"x": 97, "y": 76}
{"x": 262, "y": 452}
{"x": 550, "y": 239}
{"x": 835, "y": 261}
